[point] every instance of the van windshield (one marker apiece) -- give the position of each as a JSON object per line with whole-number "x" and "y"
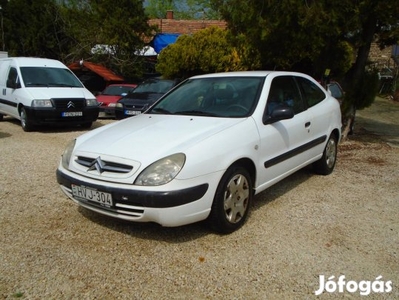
{"x": 49, "y": 77}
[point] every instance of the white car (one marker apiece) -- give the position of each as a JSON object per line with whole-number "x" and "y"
{"x": 204, "y": 149}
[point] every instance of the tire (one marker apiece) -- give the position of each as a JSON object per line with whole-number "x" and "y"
{"x": 1, "y": 117}
{"x": 86, "y": 125}
{"x": 232, "y": 201}
{"x": 325, "y": 165}
{"x": 25, "y": 123}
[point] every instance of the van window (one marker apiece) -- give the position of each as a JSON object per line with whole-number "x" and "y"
{"x": 48, "y": 77}
{"x": 12, "y": 79}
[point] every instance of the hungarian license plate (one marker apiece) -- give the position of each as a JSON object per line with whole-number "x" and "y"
{"x": 72, "y": 114}
{"x": 89, "y": 194}
{"x": 132, "y": 112}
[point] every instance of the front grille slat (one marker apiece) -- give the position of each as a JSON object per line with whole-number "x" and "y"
{"x": 62, "y": 103}
{"x": 102, "y": 165}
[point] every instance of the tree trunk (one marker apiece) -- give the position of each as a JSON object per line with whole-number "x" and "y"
{"x": 357, "y": 71}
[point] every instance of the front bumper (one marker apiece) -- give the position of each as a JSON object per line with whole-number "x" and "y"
{"x": 168, "y": 208}
{"x": 57, "y": 116}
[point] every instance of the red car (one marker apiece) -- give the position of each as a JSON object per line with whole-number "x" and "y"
{"x": 107, "y": 99}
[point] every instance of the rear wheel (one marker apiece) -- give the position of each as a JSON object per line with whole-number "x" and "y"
{"x": 325, "y": 165}
{"x": 232, "y": 201}
{"x": 25, "y": 122}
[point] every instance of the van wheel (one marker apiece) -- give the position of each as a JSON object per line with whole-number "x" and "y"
{"x": 325, "y": 165}
{"x": 25, "y": 123}
{"x": 232, "y": 201}
{"x": 86, "y": 125}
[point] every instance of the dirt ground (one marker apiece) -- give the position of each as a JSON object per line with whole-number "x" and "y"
{"x": 303, "y": 228}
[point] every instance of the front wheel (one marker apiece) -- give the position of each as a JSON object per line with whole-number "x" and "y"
{"x": 232, "y": 201}
{"x": 25, "y": 123}
{"x": 86, "y": 125}
{"x": 325, "y": 165}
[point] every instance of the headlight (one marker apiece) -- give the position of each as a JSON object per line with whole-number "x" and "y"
{"x": 162, "y": 171}
{"x": 91, "y": 102}
{"x": 111, "y": 104}
{"x": 42, "y": 103}
{"x": 66, "y": 156}
{"x": 119, "y": 105}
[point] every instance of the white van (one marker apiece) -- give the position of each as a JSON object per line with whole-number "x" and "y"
{"x": 44, "y": 91}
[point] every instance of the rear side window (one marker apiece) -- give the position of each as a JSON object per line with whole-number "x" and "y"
{"x": 312, "y": 93}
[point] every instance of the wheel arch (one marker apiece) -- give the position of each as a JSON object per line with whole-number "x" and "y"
{"x": 249, "y": 165}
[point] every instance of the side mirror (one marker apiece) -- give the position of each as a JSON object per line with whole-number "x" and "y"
{"x": 278, "y": 114}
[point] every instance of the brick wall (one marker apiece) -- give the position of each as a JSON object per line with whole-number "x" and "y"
{"x": 185, "y": 26}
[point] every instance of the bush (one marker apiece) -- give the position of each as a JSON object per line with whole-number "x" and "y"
{"x": 207, "y": 51}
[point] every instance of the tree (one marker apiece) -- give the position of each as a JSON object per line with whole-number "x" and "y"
{"x": 120, "y": 31}
{"x": 33, "y": 28}
{"x": 308, "y": 35}
{"x": 206, "y": 51}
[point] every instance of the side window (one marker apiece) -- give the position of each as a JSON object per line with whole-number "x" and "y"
{"x": 12, "y": 79}
{"x": 313, "y": 94}
{"x": 284, "y": 92}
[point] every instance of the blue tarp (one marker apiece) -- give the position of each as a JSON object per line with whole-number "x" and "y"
{"x": 161, "y": 40}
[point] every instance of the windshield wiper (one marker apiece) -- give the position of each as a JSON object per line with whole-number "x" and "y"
{"x": 160, "y": 110}
{"x": 35, "y": 84}
{"x": 62, "y": 84}
{"x": 195, "y": 113}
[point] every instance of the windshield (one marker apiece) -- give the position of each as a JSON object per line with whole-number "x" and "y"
{"x": 48, "y": 77}
{"x": 117, "y": 90}
{"x": 154, "y": 86}
{"x": 218, "y": 97}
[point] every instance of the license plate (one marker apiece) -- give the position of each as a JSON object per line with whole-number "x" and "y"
{"x": 89, "y": 194}
{"x": 132, "y": 112}
{"x": 72, "y": 114}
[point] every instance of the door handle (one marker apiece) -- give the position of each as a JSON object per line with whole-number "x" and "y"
{"x": 307, "y": 124}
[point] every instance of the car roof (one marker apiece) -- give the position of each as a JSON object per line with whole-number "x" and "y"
{"x": 248, "y": 74}
{"x": 35, "y": 62}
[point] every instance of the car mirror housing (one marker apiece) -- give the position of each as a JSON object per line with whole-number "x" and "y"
{"x": 278, "y": 114}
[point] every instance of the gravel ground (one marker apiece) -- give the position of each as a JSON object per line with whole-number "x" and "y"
{"x": 303, "y": 227}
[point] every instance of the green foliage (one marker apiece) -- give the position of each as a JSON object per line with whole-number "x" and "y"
{"x": 121, "y": 30}
{"x": 206, "y": 51}
{"x": 311, "y": 36}
{"x": 68, "y": 30}
{"x": 33, "y": 28}
{"x": 363, "y": 91}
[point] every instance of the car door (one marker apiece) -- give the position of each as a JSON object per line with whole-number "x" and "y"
{"x": 317, "y": 106}
{"x": 9, "y": 99}
{"x": 284, "y": 144}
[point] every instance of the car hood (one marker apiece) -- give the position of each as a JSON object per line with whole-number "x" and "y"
{"x": 136, "y": 98}
{"x": 59, "y": 92}
{"x": 146, "y": 138}
{"x": 108, "y": 98}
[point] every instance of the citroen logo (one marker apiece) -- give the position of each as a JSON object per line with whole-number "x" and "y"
{"x": 70, "y": 104}
{"x": 97, "y": 164}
